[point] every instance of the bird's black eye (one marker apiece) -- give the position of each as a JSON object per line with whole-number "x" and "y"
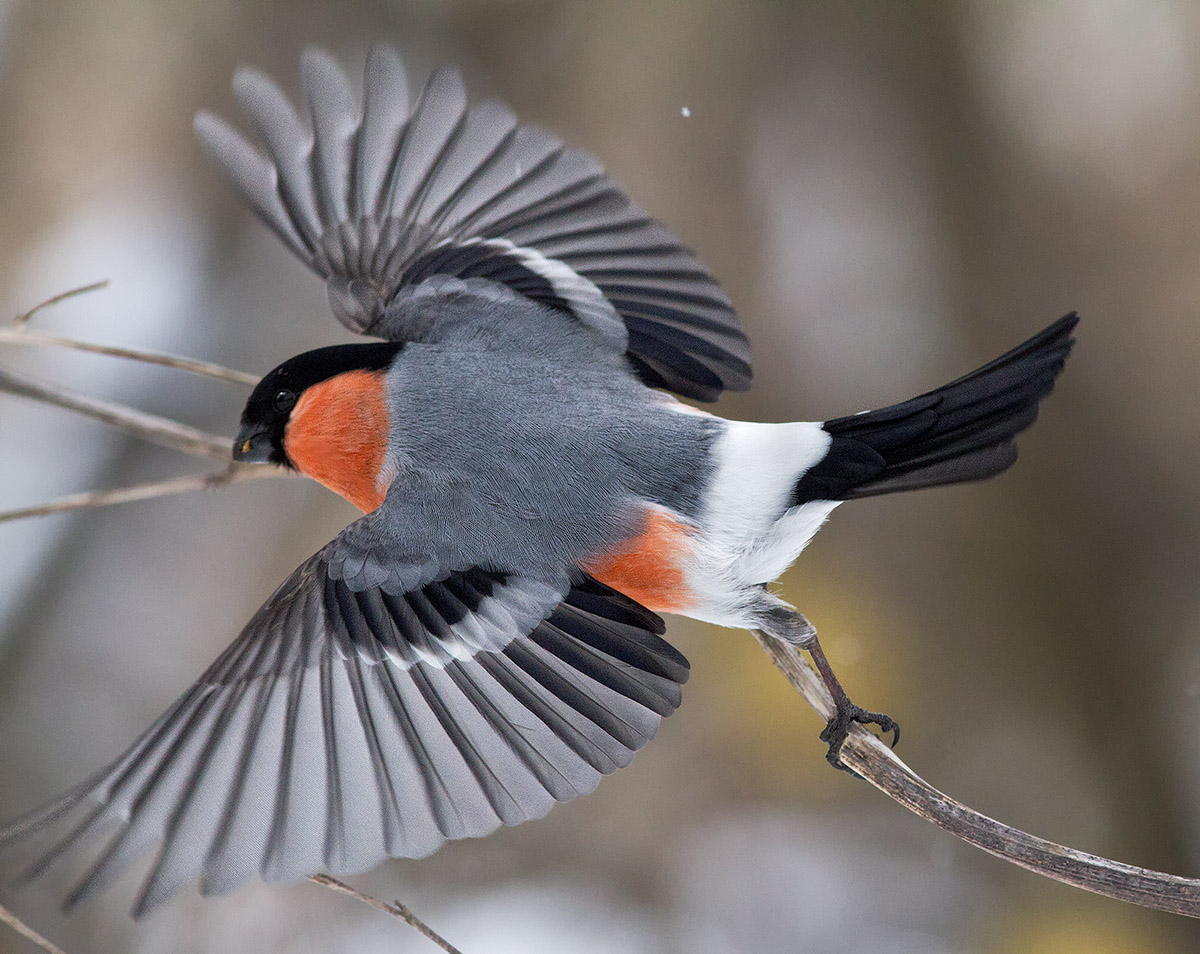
{"x": 284, "y": 401}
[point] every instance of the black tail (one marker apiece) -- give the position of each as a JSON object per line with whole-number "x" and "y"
{"x": 962, "y": 431}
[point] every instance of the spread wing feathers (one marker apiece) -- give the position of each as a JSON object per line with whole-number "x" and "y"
{"x": 343, "y": 727}
{"x": 962, "y": 431}
{"x": 388, "y": 196}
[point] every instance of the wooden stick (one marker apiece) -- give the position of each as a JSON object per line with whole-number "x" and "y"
{"x": 149, "y": 427}
{"x": 395, "y": 909}
{"x": 26, "y": 931}
{"x": 867, "y": 755}
{"x": 233, "y": 474}
{"x": 19, "y": 336}
{"x": 21, "y": 320}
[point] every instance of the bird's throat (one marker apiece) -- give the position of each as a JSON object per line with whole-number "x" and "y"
{"x": 337, "y": 435}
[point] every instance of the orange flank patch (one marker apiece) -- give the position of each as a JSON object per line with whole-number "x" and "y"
{"x": 337, "y": 435}
{"x": 649, "y": 567}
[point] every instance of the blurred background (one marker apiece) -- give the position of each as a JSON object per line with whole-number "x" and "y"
{"x": 892, "y": 194}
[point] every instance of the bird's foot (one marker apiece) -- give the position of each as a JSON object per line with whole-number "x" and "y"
{"x": 839, "y": 727}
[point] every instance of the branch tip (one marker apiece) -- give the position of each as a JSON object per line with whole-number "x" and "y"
{"x": 21, "y": 320}
{"x": 395, "y": 909}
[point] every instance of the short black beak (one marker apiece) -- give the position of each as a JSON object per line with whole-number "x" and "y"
{"x": 252, "y": 445}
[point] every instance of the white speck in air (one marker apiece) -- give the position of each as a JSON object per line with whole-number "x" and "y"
{"x": 685, "y": 112}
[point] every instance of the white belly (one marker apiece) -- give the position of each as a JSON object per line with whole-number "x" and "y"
{"x": 748, "y": 534}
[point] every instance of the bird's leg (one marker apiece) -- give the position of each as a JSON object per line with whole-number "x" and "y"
{"x": 786, "y": 624}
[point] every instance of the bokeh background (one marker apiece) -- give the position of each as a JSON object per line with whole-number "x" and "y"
{"x": 892, "y": 194}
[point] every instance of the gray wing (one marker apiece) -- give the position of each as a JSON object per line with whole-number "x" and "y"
{"x": 346, "y": 725}
{"x": 380, "y": 199}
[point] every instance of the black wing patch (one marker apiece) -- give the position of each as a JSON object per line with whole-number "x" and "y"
{"x": 344, "y": 727}
{"x": 384, "y": 197}
{"x": 962, "y": 431}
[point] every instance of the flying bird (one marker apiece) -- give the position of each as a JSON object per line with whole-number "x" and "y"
{"x": 485, "y": 640}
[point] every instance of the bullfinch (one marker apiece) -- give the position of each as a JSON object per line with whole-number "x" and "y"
{"x": 485, "y": 640}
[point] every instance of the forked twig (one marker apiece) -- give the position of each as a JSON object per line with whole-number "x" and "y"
{"x": 394, "y": 908}
{"x": 163, "y": 431}
{"x": 19, "y": 333}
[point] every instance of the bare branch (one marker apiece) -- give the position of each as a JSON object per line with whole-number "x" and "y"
{"x": 878, "y": 764}
{"x": 235, "y": 473}
{"x": 22, "y": 337}
{"x": 23, "y": 319}
{"x": 395, "y": 909}
{"x": 19, "y": 334}
{"x": 149, "y": 427}
{"x": 26, "y": 931}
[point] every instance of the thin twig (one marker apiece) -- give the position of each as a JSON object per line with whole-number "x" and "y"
{"x": 22, "y": 337}
{"x": 23, "y": 319}
{"x": 395, "y": 909}
{"x": 873, "y": 760}
{"x": 235, "y": 473}
{"x": 149, "y": 427}
{"x": 19, "y": 334}
{"x": 26, "y": 931}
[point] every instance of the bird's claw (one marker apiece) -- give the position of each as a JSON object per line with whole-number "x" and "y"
{"x": 838, "y": 728}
